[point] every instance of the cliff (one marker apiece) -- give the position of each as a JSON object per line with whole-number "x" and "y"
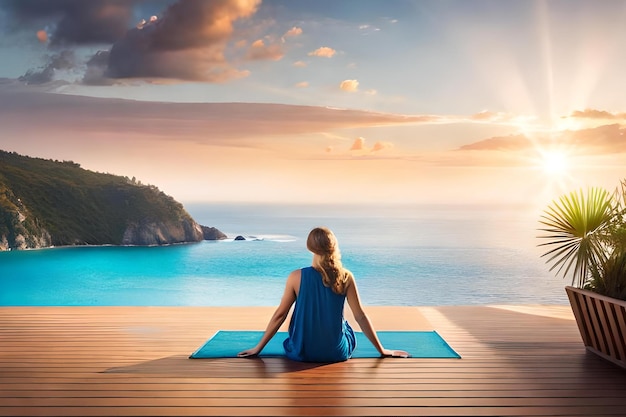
{"x": 52, "y": 203}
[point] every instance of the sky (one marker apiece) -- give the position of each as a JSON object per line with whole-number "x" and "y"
{"x": 343, "y": 101}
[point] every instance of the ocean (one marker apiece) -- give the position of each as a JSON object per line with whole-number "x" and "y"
{"x": 400, "y": 255}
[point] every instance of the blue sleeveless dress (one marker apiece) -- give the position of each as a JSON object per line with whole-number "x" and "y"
{"x": 318, "y": 331}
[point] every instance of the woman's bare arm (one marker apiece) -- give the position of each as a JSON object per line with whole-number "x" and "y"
{"x": 354, "y": 301}
{"x": 279, "y": 316}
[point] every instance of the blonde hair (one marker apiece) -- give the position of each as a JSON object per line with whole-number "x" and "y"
{"x": 322, "y": 242}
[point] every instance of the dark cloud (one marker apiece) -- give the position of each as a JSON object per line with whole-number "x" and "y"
{"x": 74, "y": 22}
{"x": 64, "y": 60}
{"x": 197, "y": 23}
{"x": 96, "y": 67}
{"x": 187, "y": 43}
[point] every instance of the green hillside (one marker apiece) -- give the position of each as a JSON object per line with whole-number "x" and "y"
{"x": 45, "y": 202}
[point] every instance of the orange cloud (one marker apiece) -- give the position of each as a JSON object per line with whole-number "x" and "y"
{"x": 349, "y": 85}
{"x": 42, "y": 36}
{"x": 607, "y": 139}
{"x": 302, "y": 84}
{"x": 300, "y": 64}
{"x": 597, "y": 114}
{"x": 324, "y": 52}
{"x": 358, "y": 145}
{"x": 260, "y": 51}
{"x": 379, "y": 146}
{"x": 484, "y": 115}
{"x": 294, "y": 31}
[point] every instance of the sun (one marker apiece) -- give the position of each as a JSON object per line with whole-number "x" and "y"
{"x": 554, "y": 162}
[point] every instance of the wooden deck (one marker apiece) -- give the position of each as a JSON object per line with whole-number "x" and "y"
{"x": 82, "y": 361}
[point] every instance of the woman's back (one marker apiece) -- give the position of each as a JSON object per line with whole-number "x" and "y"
{"x": 318, "y": 331}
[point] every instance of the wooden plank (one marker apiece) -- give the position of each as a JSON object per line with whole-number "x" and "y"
{"x": 591, "y": 322}
{"x": 603, "y": 328}
{"x": 294, "y": 410}
{"x": 288, "y": 399}
{"x": 352, "y": 393}
{"x": 612, "y": 323}
{"x": 620, "y": 314}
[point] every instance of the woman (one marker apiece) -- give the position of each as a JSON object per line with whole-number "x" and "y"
{"x": 318, "y": 331}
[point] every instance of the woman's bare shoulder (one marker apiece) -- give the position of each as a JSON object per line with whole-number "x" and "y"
{"x": 294, "y": 277}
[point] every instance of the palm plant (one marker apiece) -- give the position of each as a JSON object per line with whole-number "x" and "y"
{"x": 584, "y": 232}
{"x": 608, "y": 278}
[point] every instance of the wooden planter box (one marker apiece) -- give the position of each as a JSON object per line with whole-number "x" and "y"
{"x": 602, "y": 323}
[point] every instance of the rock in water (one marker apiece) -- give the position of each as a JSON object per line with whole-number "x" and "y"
{"x": 212, "y": 233}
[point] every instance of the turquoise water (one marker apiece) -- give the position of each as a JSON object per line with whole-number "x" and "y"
{"x": 426, "y": 255}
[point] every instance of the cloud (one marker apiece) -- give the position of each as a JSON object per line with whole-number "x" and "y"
{"x": 62, "y": 61}
{"x": 300, "y": 64}
{"x": 606, "y": 139}
{"x": 367, "y": 29}
{"x": 302, "y": 84}
{"x": 187, "y": 43}
{"x": 42, "y": 36}
{"x": 484, "y": 115}
{"x": 349, "y": 85}
{"x": 487, "y": 116}
{"x": 259, "y": 51}
{"x": 294, "y": 31}
{"x": 379, "y": 146}
{"x": 358, "y": 144}
{"x": 500, "y": 143}
{"x": 96, "y": 67}
{"x": 75, "y": 22}
{"x": 597, "y": 114}
{"x": 324, "y": 52}
{"x": 27, "y": 112}
{"x": 143, "y": 22}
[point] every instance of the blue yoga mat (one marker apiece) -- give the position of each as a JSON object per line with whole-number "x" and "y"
{"x": 422, "y": 344}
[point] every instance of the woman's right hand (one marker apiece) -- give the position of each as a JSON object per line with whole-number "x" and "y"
{"x": 388, "y": 353}
{"x": 249, "y": 353}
